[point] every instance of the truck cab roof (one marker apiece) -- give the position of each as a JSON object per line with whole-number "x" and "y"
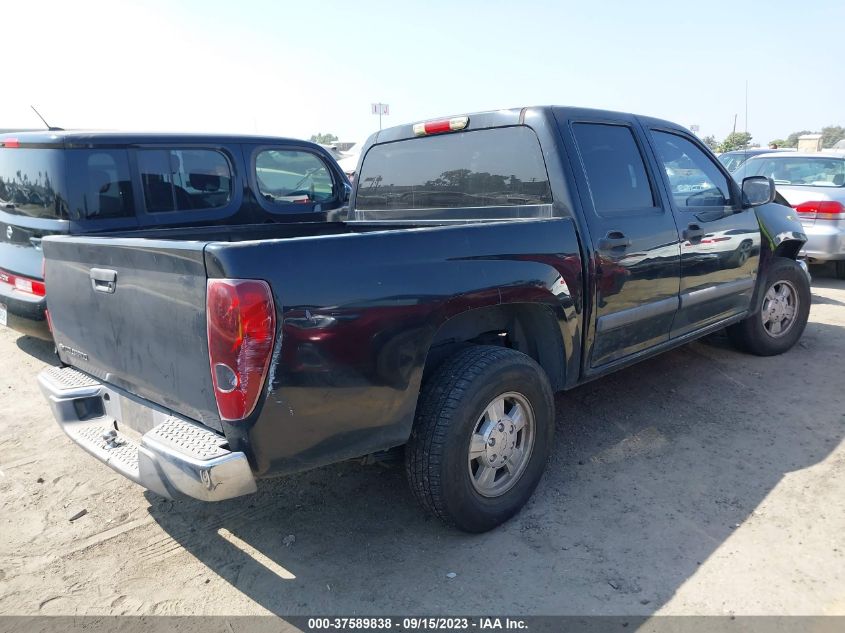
{"x": 518, "y": 116}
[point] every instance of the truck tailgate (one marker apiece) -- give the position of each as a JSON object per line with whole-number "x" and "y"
{"x": 131, "y": 312}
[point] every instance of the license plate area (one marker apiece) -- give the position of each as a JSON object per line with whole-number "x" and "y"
{"x": 132, "y": 416}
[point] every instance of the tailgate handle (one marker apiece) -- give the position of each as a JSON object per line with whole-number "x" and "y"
{"x": 103, "y": 279}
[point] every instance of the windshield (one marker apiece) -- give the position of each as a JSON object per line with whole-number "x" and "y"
{"x": 32, "y": 182}
{"x": 806, "y": 171}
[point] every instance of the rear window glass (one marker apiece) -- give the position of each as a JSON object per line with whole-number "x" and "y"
{"x": 184, "y": 179}
{"x": 293, "y": 177}
{"x": 32, "y": 182}
{"x": 500, "y": 167}
{"x": 732, "y": 161}
{"x": 101, "y": 186}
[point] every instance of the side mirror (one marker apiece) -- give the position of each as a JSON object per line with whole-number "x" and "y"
{"x": 757, "y": 190}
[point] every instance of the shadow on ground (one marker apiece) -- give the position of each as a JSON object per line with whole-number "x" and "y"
{"x": 45, "y": 351}
{"x": 652, "y": 470}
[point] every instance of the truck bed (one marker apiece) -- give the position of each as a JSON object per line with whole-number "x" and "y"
{"x": 357, "y": 307}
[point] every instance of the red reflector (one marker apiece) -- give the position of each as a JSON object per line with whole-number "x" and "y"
{"x": 241, "y": 322}
{"x": 821, "y": 209}
{"x": 10, "y": 142}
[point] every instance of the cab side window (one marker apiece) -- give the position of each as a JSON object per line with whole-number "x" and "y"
{"x": 184, "y": 179}
{"x": 614, "y": 167}
{"x": 694, "y": 179}
{"x": 287, "y": 177}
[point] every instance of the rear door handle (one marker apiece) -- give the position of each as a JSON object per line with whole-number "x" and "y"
{"x": 693, "y": 232}
{"x": 613, "y": 239}
{"x": 103, "y": 279}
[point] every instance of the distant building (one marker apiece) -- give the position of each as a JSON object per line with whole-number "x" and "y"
{"x": 810, "y": 143}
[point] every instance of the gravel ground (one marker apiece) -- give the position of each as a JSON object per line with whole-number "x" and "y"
{"x": 703, "y": 481}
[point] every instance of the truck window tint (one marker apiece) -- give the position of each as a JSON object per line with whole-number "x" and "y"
{"x": 694, "y": 178}
{"x": 100, "y": 184}
{"x": 614, "y": 167}
{"x": 184, "y": 179}
{"x": 293, "y": 177}
{"x": 485, "y": 168}
{"x": 32, "y": 182}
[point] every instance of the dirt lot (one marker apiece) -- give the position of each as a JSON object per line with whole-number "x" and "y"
{"x": 703, "y": 481}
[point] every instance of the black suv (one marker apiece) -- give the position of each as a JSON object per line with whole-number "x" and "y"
{"x": 82, "y": 183}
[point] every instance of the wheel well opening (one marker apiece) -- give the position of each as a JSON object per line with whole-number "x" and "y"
{"x": 788, "y": 248}
{"x": 528, "y": 328}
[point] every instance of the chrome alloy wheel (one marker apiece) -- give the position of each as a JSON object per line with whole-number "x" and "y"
{"x": 780, "y": 307}
{"x": 501, "y": 444}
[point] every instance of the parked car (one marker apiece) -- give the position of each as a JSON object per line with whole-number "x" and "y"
{"x": 734, "y": 159}
{"x": 85, "y": 183}
{"x": 202, "y": 361}
{"x": 814, "y": 184}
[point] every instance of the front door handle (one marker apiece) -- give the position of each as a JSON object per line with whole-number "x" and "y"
{"x": 103, "y": 279}
{"x": 613, "y": 239}
{"x": 693, "y": 232}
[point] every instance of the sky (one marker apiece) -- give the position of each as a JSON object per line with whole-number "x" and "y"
{"x": 298, "y": 68}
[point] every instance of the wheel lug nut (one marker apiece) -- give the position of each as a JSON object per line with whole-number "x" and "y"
{"x": 501, "y": 426}
{"x": 491, "y": 441}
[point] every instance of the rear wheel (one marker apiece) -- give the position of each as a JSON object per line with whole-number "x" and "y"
{"x": 482, "y": 436}
{"x": 840, "y": 269}
{"x": 783, "y": 314}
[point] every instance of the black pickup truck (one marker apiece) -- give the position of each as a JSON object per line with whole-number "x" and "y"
{"x": 483, "y": 263}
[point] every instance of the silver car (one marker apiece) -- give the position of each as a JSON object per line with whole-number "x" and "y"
{"x": 814, "y": 185}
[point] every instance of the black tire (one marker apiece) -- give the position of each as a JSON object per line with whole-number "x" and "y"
{"x": 840, "y": 269}
{"x": 752, "y": 336}
{"x": 451, "y": 404}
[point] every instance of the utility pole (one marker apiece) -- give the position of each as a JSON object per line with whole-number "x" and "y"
{"x": 746, "y": 111}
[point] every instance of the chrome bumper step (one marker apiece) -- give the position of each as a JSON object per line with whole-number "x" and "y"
{"x": 174, "y": 457}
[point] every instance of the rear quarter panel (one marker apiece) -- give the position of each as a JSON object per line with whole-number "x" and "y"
{"x": 357, "y": 314}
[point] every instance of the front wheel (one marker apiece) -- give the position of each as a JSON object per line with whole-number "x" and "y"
{"x": 482, "y": 436}
{"x": 783, "y": 314}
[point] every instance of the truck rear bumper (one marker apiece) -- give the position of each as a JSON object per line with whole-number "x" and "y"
{"x": 174, "y": 458}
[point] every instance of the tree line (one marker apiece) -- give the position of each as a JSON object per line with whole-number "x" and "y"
{"x": 831, "y": 135}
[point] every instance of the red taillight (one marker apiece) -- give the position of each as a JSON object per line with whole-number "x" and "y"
{"x": 23, "y": 284}
{"x": 821, "y": 209}
{"x": 438, "y": 127}
{"x": 10, "y": 142}
{"x": 241, "y": 323}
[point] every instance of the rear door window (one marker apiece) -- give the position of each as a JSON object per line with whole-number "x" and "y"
{"x": 614, "y": 167}
{"x": 286, "y": 177}
{"x": 500, "y": 167}
{"x": 184, "y": 179}
{"x": 101, "y": 186}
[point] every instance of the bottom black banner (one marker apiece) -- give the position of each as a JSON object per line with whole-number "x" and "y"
{"x": 401, "y": 623}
